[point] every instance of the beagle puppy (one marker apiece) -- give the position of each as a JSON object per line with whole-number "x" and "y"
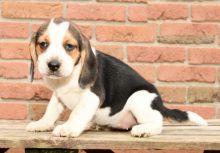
{"x": 96, "y": 87}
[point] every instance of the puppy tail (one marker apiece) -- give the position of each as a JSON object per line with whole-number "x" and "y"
{"x": 180, "y": 116}
{"x": 177, "y": 114}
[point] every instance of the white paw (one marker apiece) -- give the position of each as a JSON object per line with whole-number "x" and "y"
{"x": 144, "y": 131}
{"x": 39, "y": 126}
{"x": 66, "y": 130}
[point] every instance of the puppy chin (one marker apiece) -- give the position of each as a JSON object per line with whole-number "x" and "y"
{"x": 56, "y": 76}
{"x": 52, "y": 75}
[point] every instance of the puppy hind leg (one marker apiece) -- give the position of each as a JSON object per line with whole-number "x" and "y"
{"x": 148, "y": 127}
{"x": 149, "y": 121}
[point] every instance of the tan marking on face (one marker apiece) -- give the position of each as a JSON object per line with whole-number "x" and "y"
{"x": 69, "y": 39}
{"x": 75, "y": 55}
{"x": 42, "y": 38}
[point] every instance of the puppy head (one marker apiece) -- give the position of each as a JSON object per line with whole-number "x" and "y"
{"x": 58, "y": 47}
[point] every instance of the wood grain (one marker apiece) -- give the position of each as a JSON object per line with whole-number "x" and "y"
{"x": 174, "y": 136}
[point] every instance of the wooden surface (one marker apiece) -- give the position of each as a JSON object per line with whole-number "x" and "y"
{"x": 174, "y": 136}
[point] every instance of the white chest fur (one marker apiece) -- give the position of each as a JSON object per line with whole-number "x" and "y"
{"x": 67, "y": 90}
{"x": 70, "y": 98}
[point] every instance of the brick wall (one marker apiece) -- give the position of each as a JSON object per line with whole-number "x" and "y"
{"x": 173, "y": 44}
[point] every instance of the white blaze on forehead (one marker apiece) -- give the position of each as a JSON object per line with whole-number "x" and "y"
{"x": 57, "y": 31}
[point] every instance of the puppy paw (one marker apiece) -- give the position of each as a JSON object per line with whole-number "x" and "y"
{"x": 39, "y": 126}
{"x": 144, "y": 131}
{"x": 66, "y": 130}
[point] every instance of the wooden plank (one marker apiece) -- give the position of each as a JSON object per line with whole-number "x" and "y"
{"x": 21, "y": 124}
{"x": 168, "y": 130}
{"x": 91, "y": 140}
{"x": 213, "y": 122}
{"x": 186, "y": 136}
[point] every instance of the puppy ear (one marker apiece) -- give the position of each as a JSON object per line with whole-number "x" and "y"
{"x": 89, "y": 68}
{"x": 32, "y": 48}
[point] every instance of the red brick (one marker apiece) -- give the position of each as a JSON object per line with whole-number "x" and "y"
{"x": 126, "y": 33}
{"x": 178, "y": 151}
{"x": 15, "y": 150}
{"x": 204, "y": 56}
{"x": 218, "y": 112}
{"x": 206, "y": 12}
{"x": 96, "y": 12}
{"x": 203, "y": 94}
{"x": 157, "y": 151}
{"x": 42, "y": 93}
{"x": 85, "y": 29}
{"x": 186, "y": 29}
{"x": 35, "y": 27}
{"x": 186, "y": 33}
{"x": 130, "y": 1}
{"x": 24, "y": 91}
{"x": 31, "y": 10}
{"x": 186, "y": 73}
{"x": 37, "y": 74}
{"x": 13, "y": 70}
{"x": 173, "y": 94}
{"x": 132, "y": 151}
{"x": 208, "y": 112}
{"x": 146, "y": 71}
{"x": 13, "y": 30}
{"x": 38, "y": 110}
{"x": 157, "y": 12}
{"x": 113, "y": 50}
{"x": 155, "y": 54}
{"x": 16, "y": 91}
{"x": 153, "y": 151}
{"x": 13, "y": 111}
{"x": 14, "y": 50}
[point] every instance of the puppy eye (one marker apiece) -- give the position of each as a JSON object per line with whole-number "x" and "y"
{"x": 69, "y": 47}
{"x": 43, "y": 44}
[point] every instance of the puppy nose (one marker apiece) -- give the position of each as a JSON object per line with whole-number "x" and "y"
{"x": 54, "y": 65}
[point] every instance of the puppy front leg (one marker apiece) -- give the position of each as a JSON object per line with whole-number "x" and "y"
{"x": 80, "y": 116}
{"x": 46, "y": 123}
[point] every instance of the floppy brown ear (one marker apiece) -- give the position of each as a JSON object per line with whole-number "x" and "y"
{"x": 32, "y": 48}
{"x": 89, "y": 68}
